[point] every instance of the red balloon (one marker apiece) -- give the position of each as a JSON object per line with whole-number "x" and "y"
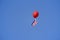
{"x": 35, "y": 14}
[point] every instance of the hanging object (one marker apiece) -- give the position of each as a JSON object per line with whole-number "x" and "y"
{"x": 35, "y": 15}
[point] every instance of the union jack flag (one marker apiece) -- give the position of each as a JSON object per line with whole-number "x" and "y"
{"x": 34, "y": 22}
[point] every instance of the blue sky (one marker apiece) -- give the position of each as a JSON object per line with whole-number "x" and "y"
{"x": 16, "y": 18}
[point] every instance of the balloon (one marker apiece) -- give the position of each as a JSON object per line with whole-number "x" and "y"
{"x": 35, "y": 14}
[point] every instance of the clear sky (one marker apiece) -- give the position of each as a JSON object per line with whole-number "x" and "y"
{"x": 16, "y": 18}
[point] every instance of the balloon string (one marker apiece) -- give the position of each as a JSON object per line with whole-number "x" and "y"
{"x": 35, "y": 19}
